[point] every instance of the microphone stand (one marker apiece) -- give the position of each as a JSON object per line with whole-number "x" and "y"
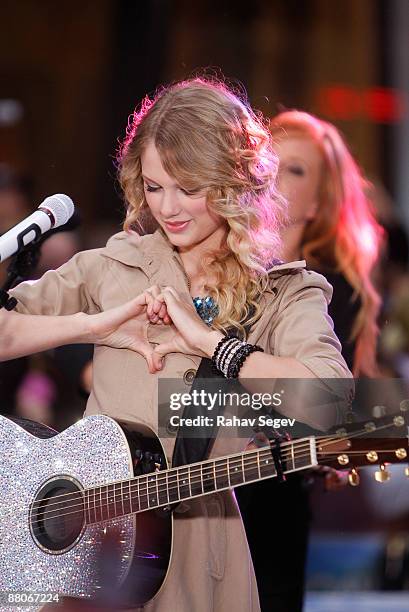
{"x": 20, "y": 267}
{"x": 27, "y": 257}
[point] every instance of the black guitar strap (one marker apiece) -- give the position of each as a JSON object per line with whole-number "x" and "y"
{"x": 189, "y": 449}
{"x": 194, "y": 444}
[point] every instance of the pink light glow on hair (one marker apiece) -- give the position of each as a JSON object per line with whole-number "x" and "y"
{"x": 344, "y": 235}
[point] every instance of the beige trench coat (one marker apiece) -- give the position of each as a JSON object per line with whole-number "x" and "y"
{"x": 211, "y": 568}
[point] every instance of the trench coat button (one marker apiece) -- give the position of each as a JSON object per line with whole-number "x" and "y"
{"x": 189, "y": 376}
{"x": 171, "y": 429}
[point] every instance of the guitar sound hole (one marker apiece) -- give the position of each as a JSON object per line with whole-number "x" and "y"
{"x": 57, "y": 515}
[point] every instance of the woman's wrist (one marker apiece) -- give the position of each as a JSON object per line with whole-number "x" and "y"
{"x": 210, "y": 341}
{"x": 230, "y": 354}
{"x": 25, "y": 333}
{"x": 83, "y": 329}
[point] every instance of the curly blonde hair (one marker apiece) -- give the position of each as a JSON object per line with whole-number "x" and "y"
{"x": 208, "y": 138}
{"x": 344, "y": 234}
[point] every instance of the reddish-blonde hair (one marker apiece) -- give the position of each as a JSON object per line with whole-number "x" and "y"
{"x": 344, "y": 234}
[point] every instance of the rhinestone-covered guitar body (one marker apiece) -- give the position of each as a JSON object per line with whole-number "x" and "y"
{"x": 76, "y": 555}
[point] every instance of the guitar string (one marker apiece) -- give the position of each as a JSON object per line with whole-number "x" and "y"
{"x": 208, "y": 463}
{"x": 159, "y": 481}
{"x": 132, "y": 484}
{"x": 159, "y": 504}
{"x": 298, "y": 445}
{"x": 195, "y": 469}
{"x": 164, "y": 477}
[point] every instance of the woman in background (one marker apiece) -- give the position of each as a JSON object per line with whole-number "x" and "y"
{"x": 331, "y": 225}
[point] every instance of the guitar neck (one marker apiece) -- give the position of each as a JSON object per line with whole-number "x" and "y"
{"x": 166, "y": 487}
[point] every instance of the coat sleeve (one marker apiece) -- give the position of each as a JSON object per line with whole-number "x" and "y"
{"x": 70, "y": 289}
{"x": 304, "y": 329}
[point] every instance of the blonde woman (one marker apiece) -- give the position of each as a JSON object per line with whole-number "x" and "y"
{"x": 199, "y": 161}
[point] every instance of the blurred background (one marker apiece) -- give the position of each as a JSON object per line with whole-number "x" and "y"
{"x": 71, "y": 73}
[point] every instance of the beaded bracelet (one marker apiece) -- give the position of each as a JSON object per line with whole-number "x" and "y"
{"x": 225, "y": 359}
{"x": 237, "y": 362}
{"x": 224, "y": 350}
{"x": 220, "y": 349}
{"x": 234, "y": 350}
{"x": 219, "y": 346}
{"x": 230, "y": 354}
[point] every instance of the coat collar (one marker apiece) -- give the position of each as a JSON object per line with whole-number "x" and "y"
{"x": 287, "y": 266}
{"x": 150, "y": 251}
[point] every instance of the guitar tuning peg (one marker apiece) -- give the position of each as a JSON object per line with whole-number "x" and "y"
{"x": 382, "y": 475}
{"x": 343, "y": 459}
{"x": 372, "y": 456}
{"x": 401, "y": 453}
{"x": 353, "y": 477}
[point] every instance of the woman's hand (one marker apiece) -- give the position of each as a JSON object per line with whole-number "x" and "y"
{"x": 191, "y": 335}
{"x": 126, "y": 326}
{"x": 156, "y": 310}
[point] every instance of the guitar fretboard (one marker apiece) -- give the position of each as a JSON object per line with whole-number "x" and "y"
{"x": 167, "y": 487}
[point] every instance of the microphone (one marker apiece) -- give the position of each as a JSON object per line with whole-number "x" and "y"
{"x": 55, "y": 211}
{"x": 72, "y": 224}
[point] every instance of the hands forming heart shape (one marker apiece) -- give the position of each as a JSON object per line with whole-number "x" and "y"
{"x": 126, "y": 326}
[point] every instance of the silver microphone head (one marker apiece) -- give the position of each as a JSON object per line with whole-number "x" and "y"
{"x": 60, "y": 206}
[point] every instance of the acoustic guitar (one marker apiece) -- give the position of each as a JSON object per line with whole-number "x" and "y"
{"x": 88, "y": 511}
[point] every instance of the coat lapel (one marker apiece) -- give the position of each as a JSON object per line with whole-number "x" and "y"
{"x": 153, "y": 254}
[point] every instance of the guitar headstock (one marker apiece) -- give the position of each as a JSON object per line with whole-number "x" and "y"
{"x": 378, "y": 441}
